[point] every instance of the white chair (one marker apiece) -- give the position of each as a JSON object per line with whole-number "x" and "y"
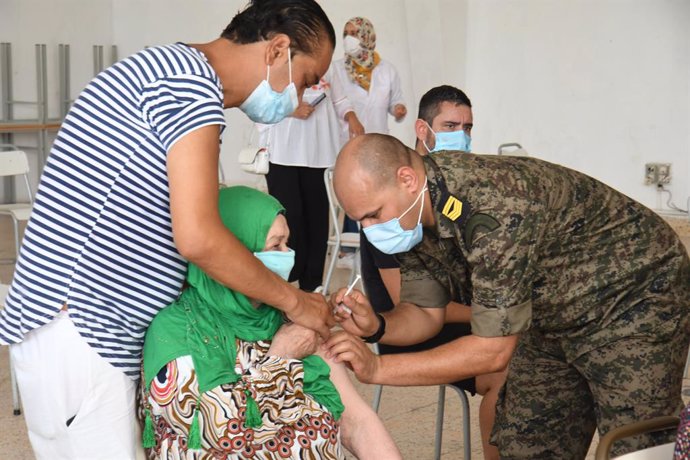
{"x": 13, "y": 379}
{"x": 14, "y": 163}
{"x": 336, "y": 238}
{"x": 513, "y": 149}
{"x": 660, "y": 452}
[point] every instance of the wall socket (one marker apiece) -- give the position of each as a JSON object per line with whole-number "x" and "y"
{"x": 657, "y": 173}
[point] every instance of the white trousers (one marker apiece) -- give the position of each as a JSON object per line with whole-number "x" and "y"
{"x": 76, "y": 405}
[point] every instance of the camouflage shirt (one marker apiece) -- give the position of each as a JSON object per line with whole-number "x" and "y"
{"x": 529, "y": 243}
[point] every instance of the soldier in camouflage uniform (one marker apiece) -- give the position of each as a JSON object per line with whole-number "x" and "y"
{"x": 596, "y": 285}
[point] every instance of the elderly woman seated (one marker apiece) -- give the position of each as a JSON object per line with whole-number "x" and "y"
{"x": 225, "y": 377}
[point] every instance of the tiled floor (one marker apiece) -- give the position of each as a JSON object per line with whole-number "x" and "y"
{"x": 409, "y": 413}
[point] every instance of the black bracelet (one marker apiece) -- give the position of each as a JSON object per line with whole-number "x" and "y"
{"x": 379, "y": 333}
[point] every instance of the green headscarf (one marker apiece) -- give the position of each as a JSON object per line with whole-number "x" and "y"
{"x": 207, "y": 318}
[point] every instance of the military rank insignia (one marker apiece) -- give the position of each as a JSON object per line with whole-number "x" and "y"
{"x": 453, "y": 208}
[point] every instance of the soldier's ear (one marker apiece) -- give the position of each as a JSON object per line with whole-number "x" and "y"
{"x": 421, "y": 129}
{"x": 407, "y": 178}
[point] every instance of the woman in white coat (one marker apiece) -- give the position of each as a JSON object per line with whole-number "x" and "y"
{"x": 370, "y": 83}
{"x": 372, "y": 86}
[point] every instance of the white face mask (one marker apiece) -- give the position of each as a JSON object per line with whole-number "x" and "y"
{"x": 351, "y": 45}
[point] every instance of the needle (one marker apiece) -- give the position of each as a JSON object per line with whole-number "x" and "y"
{"x": 348, "y": 292}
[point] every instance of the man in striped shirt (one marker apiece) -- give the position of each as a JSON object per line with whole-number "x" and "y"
{"x": 127, "y": 197}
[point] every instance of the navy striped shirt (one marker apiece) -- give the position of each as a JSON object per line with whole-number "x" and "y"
{"x": 100, "y": 235}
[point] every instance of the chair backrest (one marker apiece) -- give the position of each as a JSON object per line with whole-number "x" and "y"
{"x": 15, "y": 163}
{"x": 4, "y": 289}
{"x": 634, "y": 429}
{"x": 513, "y": 149}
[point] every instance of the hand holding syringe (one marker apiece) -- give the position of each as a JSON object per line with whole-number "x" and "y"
{"x": 353, "y": 311}
{"x": 342, "y": 306}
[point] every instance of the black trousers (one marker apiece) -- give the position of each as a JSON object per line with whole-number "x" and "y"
{"x": 303, "y": 193}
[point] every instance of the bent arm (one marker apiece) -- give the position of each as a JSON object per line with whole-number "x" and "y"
{"x": 201, "y": 237}
{"x": 408, "y": 324}
{"x": 341, "y": 104}
{"x": 198, "y": 231}
{"x": 458, "y": 313}
{"x": 396, "y": 94}
{"x": 363, "y": 432}
{"x": 391, "y": 279}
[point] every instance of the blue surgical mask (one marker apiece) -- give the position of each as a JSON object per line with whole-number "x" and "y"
{"x": 279, "y": 262}
{"x": 453, "y": 140}
{"x": 390, "y": 238}
{"x": 265, "y": 105}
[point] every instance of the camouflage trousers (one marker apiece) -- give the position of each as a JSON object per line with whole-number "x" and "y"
{"x": 552, "y": 401}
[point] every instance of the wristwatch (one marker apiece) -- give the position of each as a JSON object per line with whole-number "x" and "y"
{"x": 379, "y": 333}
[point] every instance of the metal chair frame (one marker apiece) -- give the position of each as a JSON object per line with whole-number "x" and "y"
{"x": 440, "y": 412}
{"x": 517, "y": 149}
{"x": 336, "y": 238}
{"x": 16, "y": 406}
{"x": 14, "y": 163}
{"x": 645, "y": 426}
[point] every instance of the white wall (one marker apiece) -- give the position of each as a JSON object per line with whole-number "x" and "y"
{"x": 602, "y": 86}
{"x": 25, "y": 23}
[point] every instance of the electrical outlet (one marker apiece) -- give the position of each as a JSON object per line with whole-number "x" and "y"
{"x": 664, "y": 173}
{"x": 657, "y": 173}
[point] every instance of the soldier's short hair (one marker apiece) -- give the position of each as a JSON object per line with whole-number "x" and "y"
{"x": 429, "y": 103}
{"x": 381, "y": 156}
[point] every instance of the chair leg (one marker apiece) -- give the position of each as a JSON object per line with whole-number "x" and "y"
{"x": 467, "y": 440}
{"x": 357, "y": 266}
{"x": 466, "y": 435}
{"x": 13, "y": 379}
{"x": 15, "y": 389}
{"x": 355, "y": 270}
{"x": 440, "y": 410}
{"x": 333, "y": 258}
{"x": 378, "y": 390}
{"x": 15, "y": 223}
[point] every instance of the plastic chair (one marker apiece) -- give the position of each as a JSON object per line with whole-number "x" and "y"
{"x": 660, "y": 452}
{"x": 336, "y": 238}
{"x": 13, "y": 379}
{"x": 15, "y": 163}
{"x": 517, "y": 150}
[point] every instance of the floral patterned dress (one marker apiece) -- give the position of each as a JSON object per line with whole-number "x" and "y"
{"x": 294, "y": 425}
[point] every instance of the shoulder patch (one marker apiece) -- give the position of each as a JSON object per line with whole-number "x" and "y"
{"x": 476, "y": 222}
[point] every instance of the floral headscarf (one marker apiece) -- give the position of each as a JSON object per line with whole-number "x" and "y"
{"x": 360, "y": 66}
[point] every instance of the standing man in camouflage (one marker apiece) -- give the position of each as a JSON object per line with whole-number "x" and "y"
{"x": 595, "y": 285}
